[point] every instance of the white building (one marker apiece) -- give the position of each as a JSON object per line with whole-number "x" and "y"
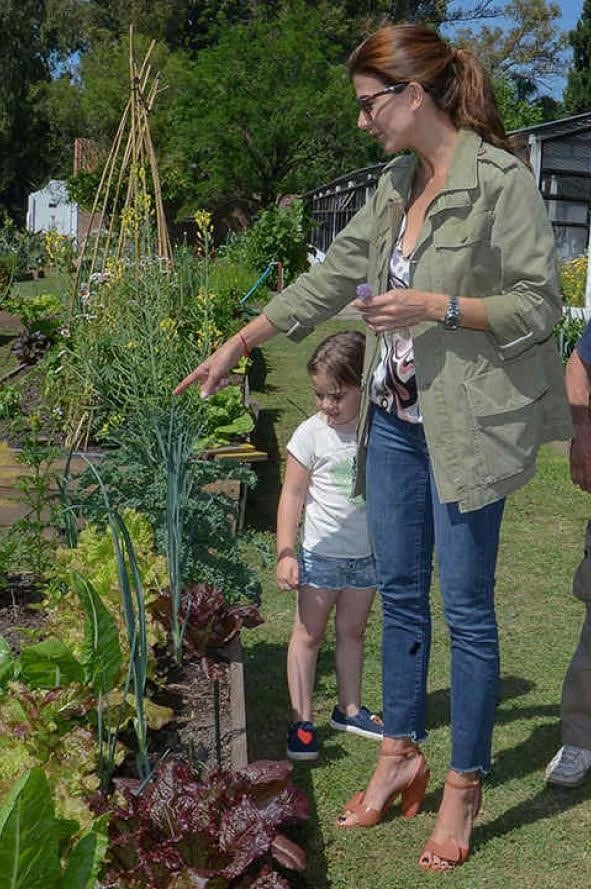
{"x": 49, "y": 209}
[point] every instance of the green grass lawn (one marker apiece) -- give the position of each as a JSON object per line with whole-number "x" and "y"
{"x": 52, "y": 283}
{"x": 527, "y": 835}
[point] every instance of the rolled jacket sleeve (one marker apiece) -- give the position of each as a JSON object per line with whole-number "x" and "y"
{"x": 323, "y": 291}
{"x": 529, "y": 306}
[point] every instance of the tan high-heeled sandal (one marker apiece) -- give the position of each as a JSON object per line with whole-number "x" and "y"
{"x": 411, "y": 795}
{"x": 450, "y": 853}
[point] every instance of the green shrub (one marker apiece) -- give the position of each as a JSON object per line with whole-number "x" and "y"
{"x": 7, "y": 273}
{"x": 573, "y": 280}
{"x": 230, "y": 280}
{"x": 568, "y": 331}
{"x": 277, "y": 234}
{"x": 10, "y": 401}
{"x": 25, "y": 249}
{"x": 41, "y": 312}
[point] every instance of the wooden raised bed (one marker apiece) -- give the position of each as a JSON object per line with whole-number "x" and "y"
{"x": 210, "y": 718}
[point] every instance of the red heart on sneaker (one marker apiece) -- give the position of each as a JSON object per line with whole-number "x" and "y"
{"x": 305, "y": 736}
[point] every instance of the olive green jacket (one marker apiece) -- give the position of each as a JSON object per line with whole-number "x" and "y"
{"x": 488, "y": 398}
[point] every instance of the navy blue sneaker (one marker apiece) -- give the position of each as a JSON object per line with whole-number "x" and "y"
{"x": 302, "y": 741}
{"x": 364, "y": 723}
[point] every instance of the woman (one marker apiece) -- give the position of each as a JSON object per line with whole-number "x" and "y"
{"x": 462, "y": 384}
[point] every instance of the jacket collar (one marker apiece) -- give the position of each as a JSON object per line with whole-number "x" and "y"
{"x": 463, "y": 171}
{"x": 462, "y": 175}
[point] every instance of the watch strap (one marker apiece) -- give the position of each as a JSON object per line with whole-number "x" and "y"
{"x": 451, "y": 319}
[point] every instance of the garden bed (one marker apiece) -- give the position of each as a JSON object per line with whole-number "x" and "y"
{"x": 209, "y": 724}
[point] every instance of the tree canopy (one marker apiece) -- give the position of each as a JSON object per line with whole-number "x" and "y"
{"x": 255, "y": 102}
{"x": 36, "y": 37}
{"x": 578, "y": 88}
{"x": 259, "y": 118}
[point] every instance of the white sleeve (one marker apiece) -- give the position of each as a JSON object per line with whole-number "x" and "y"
{"x": 301, "y": 444}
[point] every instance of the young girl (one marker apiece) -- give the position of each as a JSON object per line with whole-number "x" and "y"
{"x": 335, "y": 565}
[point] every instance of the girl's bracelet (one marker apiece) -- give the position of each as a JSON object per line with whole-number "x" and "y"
{"x": 286, "y": 551}
{"x": 245, "y": 349}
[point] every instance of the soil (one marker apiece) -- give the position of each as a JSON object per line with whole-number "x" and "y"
{"x": 19, "y": 610}
{"x": 202, "y": 727}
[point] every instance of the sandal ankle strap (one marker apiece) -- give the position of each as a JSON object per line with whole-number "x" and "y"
{"x": 459, "y": 785}
{"x": 411, "y": 753}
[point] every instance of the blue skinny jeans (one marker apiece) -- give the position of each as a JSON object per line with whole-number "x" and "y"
{"x": 407, "y": 521}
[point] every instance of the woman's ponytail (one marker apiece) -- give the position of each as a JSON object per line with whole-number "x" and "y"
{"x": 471, "y": 101}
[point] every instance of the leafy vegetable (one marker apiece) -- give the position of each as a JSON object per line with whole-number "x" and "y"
{"x": 84, "y": 863}
{"x": 48, "y": 664}
{"x": 211, "y": 551}
{"x": 46, "y": 728}
{"x": 101, "y": 655}
{"x": 6, "y": 662}
{"x": 28, "y": 844}
{"x": 225, "y": 419}
{"x": 208, "y": 620}
{"x": 94, "y": 558}
{"x": 31, "y": 837}
{"x": 184, "y": 832}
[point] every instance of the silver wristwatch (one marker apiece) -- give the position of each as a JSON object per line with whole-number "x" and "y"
{"x": 451, "y": 319}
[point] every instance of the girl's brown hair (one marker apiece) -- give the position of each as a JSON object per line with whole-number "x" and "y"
{"x": 454, "y": 78}
{"x": 340, "y": 356}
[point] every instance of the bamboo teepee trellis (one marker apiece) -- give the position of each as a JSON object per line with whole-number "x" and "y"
{"x": 131, "y": 170}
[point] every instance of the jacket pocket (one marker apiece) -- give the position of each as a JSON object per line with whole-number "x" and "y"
{"x": 457, "y": 233}
{"x": 463, "y": 260}
{"x": 506, "y": 415}
{"x": 582, "y": 578}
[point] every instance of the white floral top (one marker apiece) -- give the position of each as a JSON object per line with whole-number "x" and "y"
{"x": 394, "y": 385}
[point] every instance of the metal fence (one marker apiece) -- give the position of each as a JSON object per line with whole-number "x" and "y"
{"x": 332, "y": 206}
{"x": 564, "y": 180}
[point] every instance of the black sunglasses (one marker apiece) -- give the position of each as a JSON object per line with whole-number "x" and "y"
{"x": 365, "y": 103}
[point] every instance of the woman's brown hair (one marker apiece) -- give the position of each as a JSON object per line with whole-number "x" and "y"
{"x": 454, "y": 78}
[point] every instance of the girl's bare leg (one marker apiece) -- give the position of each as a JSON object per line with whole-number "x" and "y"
{"x": 352, "y": 612}
{"x": 312, "y": 611}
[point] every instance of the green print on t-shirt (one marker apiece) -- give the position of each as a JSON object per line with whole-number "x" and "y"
{"x": 342, "y": 474}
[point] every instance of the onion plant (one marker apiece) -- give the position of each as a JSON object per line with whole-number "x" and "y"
{"x": 134, "y": 614}
{"x": 176, "y": 450}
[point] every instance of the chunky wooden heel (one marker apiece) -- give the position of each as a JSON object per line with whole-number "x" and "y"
{"x": 412, "y": 795}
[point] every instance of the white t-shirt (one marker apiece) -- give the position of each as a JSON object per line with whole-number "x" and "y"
{"x": 335, "y": 522}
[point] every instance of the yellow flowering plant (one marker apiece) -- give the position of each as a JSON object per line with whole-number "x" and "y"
{"x": 573, "y": 280}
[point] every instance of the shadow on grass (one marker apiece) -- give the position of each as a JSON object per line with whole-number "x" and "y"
{"x": 267, "y": 708}
{"x": 263, "y": 499}
{"x": 261, "y": 504}
{"x": 261, "y": 507}
{"x": 529, "y": 756}
{"x": 511, "y": 687}
{"x": 517, "y": 762}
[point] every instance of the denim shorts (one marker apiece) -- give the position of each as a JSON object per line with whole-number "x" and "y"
{"x": 327, "y": 573}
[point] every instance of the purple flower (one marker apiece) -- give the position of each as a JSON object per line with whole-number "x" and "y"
{"x": 364, "y": 291}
